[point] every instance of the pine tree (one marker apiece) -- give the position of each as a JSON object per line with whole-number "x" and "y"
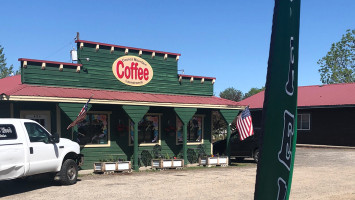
{"x": 4, "y": 71}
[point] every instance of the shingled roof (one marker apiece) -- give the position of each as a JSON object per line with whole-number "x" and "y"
{"x": 332, "y": 95}
{"x": 11, "y": 88}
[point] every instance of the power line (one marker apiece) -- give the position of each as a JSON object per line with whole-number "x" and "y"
{"x": 60, "y": 49}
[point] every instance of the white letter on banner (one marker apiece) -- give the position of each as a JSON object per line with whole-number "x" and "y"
{"x": 281, "y": 195}
{"x": 285, "y": 152}
{"x": 291, "y": 70}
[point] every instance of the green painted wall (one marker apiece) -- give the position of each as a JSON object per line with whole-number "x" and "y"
{"x": 168, "y": 141}
{"x": 119, "y": 139}
{"x": 98, "y": 74}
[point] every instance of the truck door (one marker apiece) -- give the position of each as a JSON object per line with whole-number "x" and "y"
{"x": 43, "y": 155}
{"x": 240, "y": 148}
{"x": 12, "y": 153}
{"x": 245, "y": 147}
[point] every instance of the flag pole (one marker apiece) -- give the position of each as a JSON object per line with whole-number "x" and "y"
{"x": 81, "y": 115}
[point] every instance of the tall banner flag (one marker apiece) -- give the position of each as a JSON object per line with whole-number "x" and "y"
{"x": 244, "y": 124}
{"x": 81, "y": 116}
{"x": 279, "y": 118}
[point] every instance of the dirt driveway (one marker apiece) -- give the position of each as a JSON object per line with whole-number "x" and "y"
{"x": 318, "y": 174}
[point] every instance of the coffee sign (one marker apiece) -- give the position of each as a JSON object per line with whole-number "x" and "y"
{"x": 132, "y": 70}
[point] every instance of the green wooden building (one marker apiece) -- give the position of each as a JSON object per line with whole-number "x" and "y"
{"x": 138, "y": 101}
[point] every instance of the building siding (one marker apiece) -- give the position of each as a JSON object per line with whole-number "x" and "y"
{"x": 328, "y": 126}
{"x": 97, "y": 73}
{"x": 119, "y": 140}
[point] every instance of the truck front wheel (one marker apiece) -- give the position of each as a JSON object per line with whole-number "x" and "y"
{"x": 256, "y": 155}
{"x": 69, "y": 172}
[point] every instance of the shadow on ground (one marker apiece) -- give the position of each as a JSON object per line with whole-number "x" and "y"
{"x": 236, "y": 162}
{"x": 19, "y": 186}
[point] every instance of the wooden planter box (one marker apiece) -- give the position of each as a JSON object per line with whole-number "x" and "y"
{"x": 100, "y": 167}
{"x": 214, "y": 161}
{"x": 167, "y": 163}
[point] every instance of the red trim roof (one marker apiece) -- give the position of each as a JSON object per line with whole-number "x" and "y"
{"x": 125, "y": 47}
{"x": 314, "y": 96}
{"x": 47, "y": 61}
{"x": 12, "y": 86}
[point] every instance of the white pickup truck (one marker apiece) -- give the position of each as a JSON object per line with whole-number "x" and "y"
{"x": 26, "y": 148}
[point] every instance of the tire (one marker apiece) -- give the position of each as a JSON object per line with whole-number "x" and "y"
{"x": 69, "y": 172}
{"x": 256, "y": 155}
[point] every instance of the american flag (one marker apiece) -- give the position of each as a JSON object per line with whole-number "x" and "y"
{"x": 81, "y": 116}
{"x": 244, "y": 124}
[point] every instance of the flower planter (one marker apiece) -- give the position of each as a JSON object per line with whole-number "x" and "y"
{"x": 98, "y": 167}
{"x": 103, "y": 167}
{"x": 123, "y": 166}
{"x": 167, "y": 163}
{"x": 214, "y": 161}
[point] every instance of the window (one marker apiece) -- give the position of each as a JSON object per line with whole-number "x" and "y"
{"x": 303, "y": 122}
{"x": 36, "y": 133}
{"x": 94, "y": 129}
{"x": 7, "y": 132}
{"x": 148, "y": 130}
{"x": 194, "y": 130}
{"x": 40, "y": 116}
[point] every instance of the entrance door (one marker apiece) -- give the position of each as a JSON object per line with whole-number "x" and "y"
{"x": 43, "y": 117}
{"x": 43, "y": 154}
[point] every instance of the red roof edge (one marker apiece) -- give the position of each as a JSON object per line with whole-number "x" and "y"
{"x": 47, "y": 61}
{"x": 125, "y": 47}
{"x": 189, "y": 76}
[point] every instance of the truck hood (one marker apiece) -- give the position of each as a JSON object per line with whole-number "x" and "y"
{"x": 69, "y": 144}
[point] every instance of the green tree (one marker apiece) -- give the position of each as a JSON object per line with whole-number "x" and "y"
{"x": 231, "y": 94}
{"x": 5, "y": 71}
{"x": 219, "y": 126}
{"x": 253, "y": 91}
{"x": 338, "y": 66}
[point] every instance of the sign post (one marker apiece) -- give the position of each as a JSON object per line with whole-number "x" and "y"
{"x": 279, "y": 120}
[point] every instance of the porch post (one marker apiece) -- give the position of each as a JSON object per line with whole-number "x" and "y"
{"x": 228, "y": 147}
{"x": 185, "y": 114}
{"x": 229, "y": 116}
{"x": 184, "y": 137}
{"x": 135, "y": 147}
{"x": 136, "y": 113}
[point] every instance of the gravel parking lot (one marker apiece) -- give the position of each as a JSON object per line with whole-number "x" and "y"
{"x": 319, "y": 173}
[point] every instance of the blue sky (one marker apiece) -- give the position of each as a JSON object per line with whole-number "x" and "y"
{"x": 228, "y": 40}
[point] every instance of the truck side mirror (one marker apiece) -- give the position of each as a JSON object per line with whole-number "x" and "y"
{"x": 54, "y": 138}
